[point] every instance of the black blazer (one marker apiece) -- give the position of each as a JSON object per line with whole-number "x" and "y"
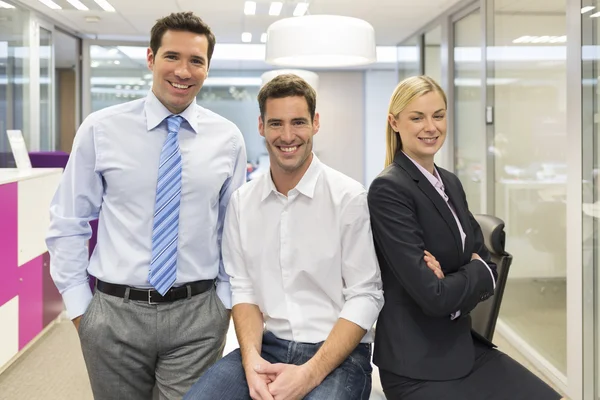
{"x": 415, "y": 336}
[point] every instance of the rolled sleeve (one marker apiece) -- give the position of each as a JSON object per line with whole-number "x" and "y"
{"x": 243, "y": 295}
{"x": 242, "y": 290}
{"x": 363, "y": 292}
{"x": 77, "y": 299}
{"x": 362, "y": 310}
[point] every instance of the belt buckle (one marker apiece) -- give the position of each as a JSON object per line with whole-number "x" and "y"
{"x": 150, "y": 302}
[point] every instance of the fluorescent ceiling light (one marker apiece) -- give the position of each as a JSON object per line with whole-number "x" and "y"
{"x": 263, "y": 38}
{"x": 50, "y": 4}
{"x": 275, "y": 8}
{"x": 541, "y": 39}
{"x": 595, "y": 15}
{"x": 78, "y": 5}
{"x": 586, "y": 9}
{"x": 105, "y": 5}
{"x": 250, "y": 8}
{"x": 6, "y": 5}
{"x": 300, "y": 9}
{"x": 246, "y": 37}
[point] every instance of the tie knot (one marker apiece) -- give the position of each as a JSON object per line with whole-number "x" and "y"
{"x": 173, "y": 123}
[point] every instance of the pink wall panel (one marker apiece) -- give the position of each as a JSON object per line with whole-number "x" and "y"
{"x": 39, "y": 301}
{"x": 31, "y": 300}
{"x": 8, "y": 242}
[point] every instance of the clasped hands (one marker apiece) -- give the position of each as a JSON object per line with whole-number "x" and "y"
{"x": 268, "y": 381}
{"x": 435, "y": 266}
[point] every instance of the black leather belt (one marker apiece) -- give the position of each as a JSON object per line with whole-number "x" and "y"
{"x": 152, "y": 296}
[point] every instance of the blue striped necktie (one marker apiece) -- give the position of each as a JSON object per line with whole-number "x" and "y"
{"x": 163, "y": 267}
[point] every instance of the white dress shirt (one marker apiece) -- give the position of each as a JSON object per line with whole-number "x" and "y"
{"x": 437, "y": 183}
{"x": 307, "y": 259}
{"x": 112, "y": 173}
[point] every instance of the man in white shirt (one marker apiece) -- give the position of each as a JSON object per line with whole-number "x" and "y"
{"x": 306, "y": 286}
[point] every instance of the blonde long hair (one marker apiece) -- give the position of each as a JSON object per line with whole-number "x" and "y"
{"x": 406, "y": 91}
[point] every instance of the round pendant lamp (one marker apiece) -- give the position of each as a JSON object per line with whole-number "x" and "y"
{"x": 320, "y": 41}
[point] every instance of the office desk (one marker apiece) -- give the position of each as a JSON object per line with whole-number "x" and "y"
{"x": 29, "y": 300}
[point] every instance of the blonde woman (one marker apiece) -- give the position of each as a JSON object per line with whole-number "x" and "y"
{"x": 435, "y": 268}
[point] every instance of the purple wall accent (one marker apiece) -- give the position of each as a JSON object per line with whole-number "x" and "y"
{"x": 53, "y": 304}
{"x": 48, "y": 159}
{"x": 31, "y": 300}
{"x": 39, "y": 301}
{"x": 8, "y": 242}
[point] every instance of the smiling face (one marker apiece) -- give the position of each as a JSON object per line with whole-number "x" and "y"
{"x": 422, "y": 127}
{"x": 179, "y": 68}
{"x": 288, "y": 131}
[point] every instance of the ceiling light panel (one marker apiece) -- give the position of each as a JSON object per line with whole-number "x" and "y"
{"x": 300, "y": 9}
{"x": 50, "y": 4}
{"x": 78, "y": 5}
{"x": 105, "y": 5}
{"x": 275, "y": 8}
{"x": 250, "y": 8}
{"x": 586, "y": 9}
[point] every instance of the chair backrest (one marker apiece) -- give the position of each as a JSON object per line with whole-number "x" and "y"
{"x": 484, "y": 316}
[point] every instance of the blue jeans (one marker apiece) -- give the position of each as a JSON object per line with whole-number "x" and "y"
{"x": 226, "y": 379}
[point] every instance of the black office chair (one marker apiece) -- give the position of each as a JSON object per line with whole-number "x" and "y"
{"x": 484, "y": 316}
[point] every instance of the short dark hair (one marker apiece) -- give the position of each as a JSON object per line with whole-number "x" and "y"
{"x": 287, "y": 85}
{"x": 182, "y": 21}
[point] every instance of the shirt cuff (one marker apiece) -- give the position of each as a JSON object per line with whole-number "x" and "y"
{"x": 491, "y": 273}
{"x": 224, "y": 293}
{"x": 77, "y": 299}
{"x": 363, "y": 311}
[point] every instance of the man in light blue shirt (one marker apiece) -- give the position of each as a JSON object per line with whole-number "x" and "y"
{"x": 158, "y": 172}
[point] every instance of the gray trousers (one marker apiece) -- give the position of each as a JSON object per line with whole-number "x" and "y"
{"x": 130, "y": 347}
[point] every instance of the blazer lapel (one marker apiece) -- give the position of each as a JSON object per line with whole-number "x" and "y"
{"x": 456, "y": 199}
{"x": 440, "y": 204}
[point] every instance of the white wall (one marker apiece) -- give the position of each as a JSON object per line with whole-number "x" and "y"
{"x": 379, "y": 86}
{"x": 340, "y": 103}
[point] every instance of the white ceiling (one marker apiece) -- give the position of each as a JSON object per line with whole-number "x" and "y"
{"x": 393, "y": 20}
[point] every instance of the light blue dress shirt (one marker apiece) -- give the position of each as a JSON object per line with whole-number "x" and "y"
{"x": 112, "y": 174}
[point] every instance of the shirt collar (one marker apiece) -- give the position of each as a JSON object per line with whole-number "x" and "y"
{"x": 156, "y": 113}
{"x": 307, "y": 184}
{"x": 435, "y": 181}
